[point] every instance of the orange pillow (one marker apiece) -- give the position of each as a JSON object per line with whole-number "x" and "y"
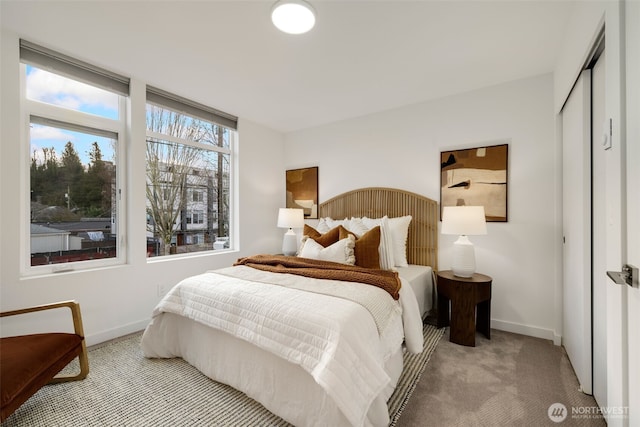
{"x": 366, "y": 250}
{"x": 326, "y": 239}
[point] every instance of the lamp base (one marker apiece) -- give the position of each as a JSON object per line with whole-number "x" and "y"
{"x": 290, "y": 243}
{"x": 464, "y": 258}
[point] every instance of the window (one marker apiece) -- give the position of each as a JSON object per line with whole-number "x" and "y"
{"x": 189, "y": 158}
{"x": 197, "y": 196}
{"x": 75, "y": 113}
{"x": 195, "y": 217}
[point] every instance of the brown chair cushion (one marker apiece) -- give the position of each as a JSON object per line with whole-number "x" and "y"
{"x": 28, "y": 362}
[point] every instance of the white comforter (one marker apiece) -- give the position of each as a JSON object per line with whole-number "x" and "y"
{"x": 342, "y": 344}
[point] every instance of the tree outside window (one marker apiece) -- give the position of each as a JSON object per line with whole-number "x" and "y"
{"x": 188, "y": 181}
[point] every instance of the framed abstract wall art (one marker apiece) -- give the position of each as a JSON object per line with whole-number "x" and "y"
{"x": 302, "y": 191}
{"x": 476, "y": 177}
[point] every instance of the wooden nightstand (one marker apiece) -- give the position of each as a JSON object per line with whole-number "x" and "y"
{"x": 465, "y": 294}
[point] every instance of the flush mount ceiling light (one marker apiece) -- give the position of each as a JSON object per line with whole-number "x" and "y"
{"x": 293, "y": 16}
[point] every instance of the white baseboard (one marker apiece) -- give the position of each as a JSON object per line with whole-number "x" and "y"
{"x": 532, "y": 331}
{"x": 110, "y": 334}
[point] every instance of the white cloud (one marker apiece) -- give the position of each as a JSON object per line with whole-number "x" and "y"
{"x": 54, "y": 89}
{"x": 46, "y": 132}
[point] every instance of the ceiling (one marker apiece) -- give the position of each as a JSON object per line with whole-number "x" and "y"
{"x": 362, "y": 56}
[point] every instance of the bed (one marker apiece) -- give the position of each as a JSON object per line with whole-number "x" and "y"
{"x": 306, "y": 355}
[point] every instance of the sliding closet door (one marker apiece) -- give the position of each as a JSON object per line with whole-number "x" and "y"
{"x": 576, "y": 174}
{"x": 600, "y": 127}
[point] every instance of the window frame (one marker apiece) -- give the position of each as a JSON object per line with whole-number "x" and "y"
{"x": 162, "y": 99}
{"x": 197, "y": 196}
{"x": 123, "y": 127}
{"x": 75, "y": 120}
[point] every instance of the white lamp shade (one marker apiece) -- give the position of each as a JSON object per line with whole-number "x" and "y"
{"x": 464, "y": 220}
{"x": 293, "y": 16}
{"x": 290, "y": 218}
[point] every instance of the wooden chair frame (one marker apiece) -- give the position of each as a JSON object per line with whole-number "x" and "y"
{"x": 77, "y": 328}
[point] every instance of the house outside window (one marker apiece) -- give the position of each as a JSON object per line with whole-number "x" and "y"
{"x": 189, "y": 174}
{"x": 74, "y": 113}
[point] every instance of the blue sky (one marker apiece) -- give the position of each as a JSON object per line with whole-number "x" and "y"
{"x": 47, "y": 137}
{"x": 61, "y": 91}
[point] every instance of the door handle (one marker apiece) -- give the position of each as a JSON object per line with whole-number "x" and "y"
{"x": 628, "y": 275}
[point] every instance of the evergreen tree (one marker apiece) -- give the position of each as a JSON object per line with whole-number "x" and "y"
{"x": 45, "y": 181}
{"x": 72, "y": 176}
{"x": 97, "y": 185}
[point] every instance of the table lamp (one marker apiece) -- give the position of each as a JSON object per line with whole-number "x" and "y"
{"x": 463, "y": 221}
{"x": 290, "y": 218}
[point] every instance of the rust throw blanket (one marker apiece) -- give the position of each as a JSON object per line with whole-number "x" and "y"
{"x": 385, "y": 279}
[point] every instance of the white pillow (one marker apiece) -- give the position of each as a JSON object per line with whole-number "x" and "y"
{"x": 326, "y": 224}
{"x": 356, "y": 226}
{"x": 393, "y": 236}
{"x": 399, "y": 228}
{"x": 386, "y": 243}
{"x": 341, "y": 251}
{"x": 322, "y": 226}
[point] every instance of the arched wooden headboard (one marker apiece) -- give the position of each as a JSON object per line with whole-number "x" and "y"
{"x": 375, "y": 202}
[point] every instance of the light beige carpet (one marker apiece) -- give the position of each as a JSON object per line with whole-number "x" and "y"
{"x": 510, "y": 380}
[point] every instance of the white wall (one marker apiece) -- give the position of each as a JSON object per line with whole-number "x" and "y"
{"x": 401, "y": 148}
{"x": 119, "y": 300}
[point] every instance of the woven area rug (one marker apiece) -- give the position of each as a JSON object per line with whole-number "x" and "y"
{"x": 126, "y": 389}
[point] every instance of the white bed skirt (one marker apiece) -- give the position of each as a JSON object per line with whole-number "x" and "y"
{"x": 282, "y": 387}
